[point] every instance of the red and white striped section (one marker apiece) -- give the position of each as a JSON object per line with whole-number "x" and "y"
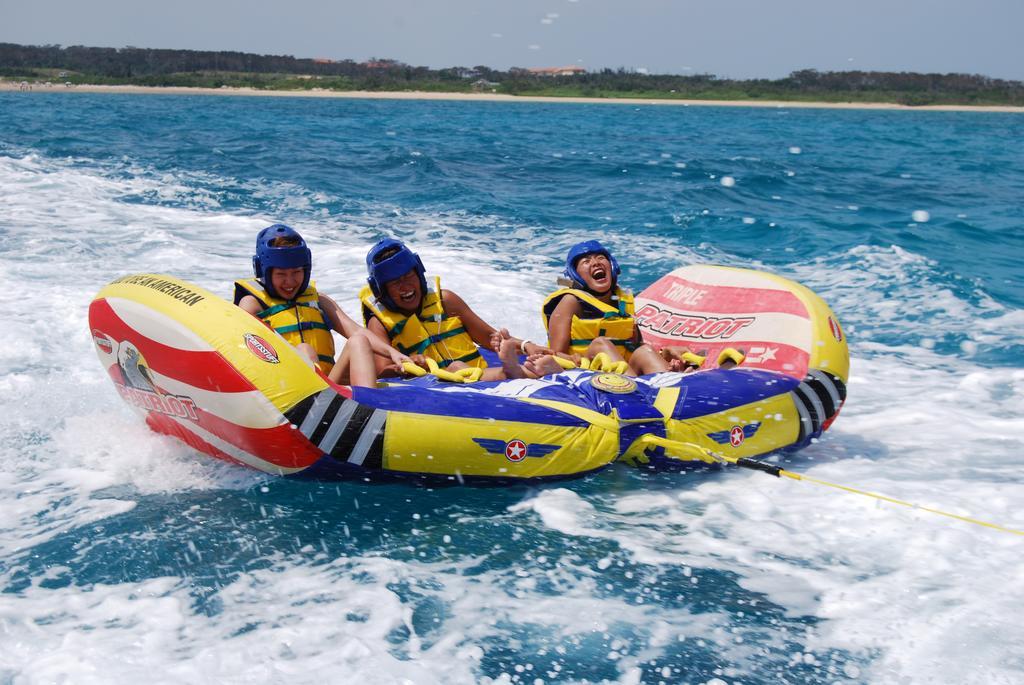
{"x": 186, "y": 388}
{"x": 710, "y": 308}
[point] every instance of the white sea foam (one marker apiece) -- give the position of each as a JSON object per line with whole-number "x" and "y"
{"x": 894, "y": 289}
{"x": 907, "y": 595}
{"x": 328, "y": 624}
{"x": 901, "y": 581}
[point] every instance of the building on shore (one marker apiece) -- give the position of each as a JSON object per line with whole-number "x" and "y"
{"x": 484, "y": 86}
{"x": 557, "y": 71}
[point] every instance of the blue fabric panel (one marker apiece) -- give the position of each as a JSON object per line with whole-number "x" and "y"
{"x": 708, "y": 392}
{"x": 429, "y": 396}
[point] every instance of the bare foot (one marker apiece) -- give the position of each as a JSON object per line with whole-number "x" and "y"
{"x": 508, "y": 353}
{"x": 545, "y": 365}
{"x": 497, "y": 338}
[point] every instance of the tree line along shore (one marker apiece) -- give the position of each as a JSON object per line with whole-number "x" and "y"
{"x": 77, "y": 65}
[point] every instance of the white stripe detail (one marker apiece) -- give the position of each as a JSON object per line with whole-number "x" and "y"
{"x": 248, "y": 409}
{"x": 158, "y": 327}
{"x": 830, "y": 386}
{"x": 805, "y": 418}
{"x": 338, "y": 426}
{"x": 367, "y": 437}
{"x": 519, "y": 387}
{"x": 236, "y": 452}
{"x": 316, "y": 412}
{"x": 819, "y": 408}
{"x": 712, "y": 276}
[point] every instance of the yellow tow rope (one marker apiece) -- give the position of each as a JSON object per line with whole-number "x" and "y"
{"x": 893, "y": 500}
{"x": 687, "y": 450}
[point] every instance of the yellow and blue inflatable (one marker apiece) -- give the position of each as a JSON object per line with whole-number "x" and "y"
{"x": 202, "y": 370}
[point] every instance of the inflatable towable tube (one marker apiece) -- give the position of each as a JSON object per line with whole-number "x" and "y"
{"x": 198, "y": 368}
{"x": 781, "y": 326}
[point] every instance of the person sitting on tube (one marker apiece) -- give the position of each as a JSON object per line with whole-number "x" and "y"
{"x": 284, "y": 298}
{"x": 425, "y": 321}
{"x": 592, "y": 314}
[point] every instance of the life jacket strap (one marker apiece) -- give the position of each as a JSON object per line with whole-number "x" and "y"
{"x": 629, "y": 345}
{"x": 427, "y": 342}
{"x": 464, "y": 358}
{"x": 278, "y": 308}
{"x": 302, "y": 326}
{"x": 412, "y": 349}
{"x": 447, "y": 334}
{"x": 397, "y": 329}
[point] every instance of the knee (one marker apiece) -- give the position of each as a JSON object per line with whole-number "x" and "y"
{"x": 359, "y": 341}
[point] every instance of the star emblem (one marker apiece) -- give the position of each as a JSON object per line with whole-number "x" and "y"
{"x": 736, "y": 436}
{"x": 515, "y": 450}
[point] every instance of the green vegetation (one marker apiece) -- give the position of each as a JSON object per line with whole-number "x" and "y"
{"x": 801, "y": 86}
{"x": 189, "y": 68}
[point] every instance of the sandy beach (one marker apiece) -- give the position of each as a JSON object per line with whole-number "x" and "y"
{"x": 492, "y": 97}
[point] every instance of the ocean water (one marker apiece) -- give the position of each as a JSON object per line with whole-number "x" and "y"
{"x": 126, "y": 557}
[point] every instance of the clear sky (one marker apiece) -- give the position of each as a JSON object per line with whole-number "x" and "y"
{"x": 729, "y": 38}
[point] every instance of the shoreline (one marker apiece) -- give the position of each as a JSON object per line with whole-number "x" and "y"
{"x": 495, "y": 97}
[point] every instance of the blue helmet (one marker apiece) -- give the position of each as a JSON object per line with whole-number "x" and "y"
{"x": 268, "y": 257}
{"x": 588, "y": 247}
{"x": 383, "y": 269}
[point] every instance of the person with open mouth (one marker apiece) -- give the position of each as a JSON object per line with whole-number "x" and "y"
{"x": 425, "y": 321}
{"x": 592, "y": 314}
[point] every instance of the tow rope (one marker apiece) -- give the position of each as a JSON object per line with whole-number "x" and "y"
{"x": 692, "y": 451}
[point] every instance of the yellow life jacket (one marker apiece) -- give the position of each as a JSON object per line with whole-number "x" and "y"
{"x": 298, "y": 321}
{"x": 431, "y": 332}
{"x": 614, "y": 321}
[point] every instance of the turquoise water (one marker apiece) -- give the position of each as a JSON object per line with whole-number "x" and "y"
{"x": 124, "y": 552}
